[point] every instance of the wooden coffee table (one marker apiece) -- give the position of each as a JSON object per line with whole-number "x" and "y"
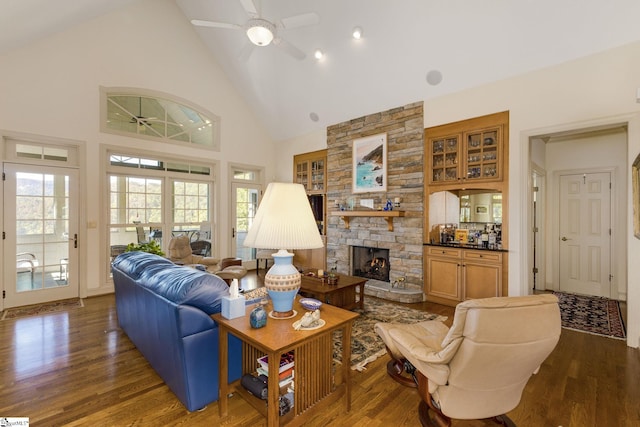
{"x": 341, "y": 295}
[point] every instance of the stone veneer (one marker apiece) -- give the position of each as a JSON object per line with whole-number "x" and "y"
{"x": 404, "y": 127}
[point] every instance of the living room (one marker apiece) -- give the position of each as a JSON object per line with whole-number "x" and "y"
{"x": 51, "y": 92}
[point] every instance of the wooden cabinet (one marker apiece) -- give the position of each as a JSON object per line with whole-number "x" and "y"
{"x": 466, "y": 157}
{"x": 453, "y": 275}
{"x": 471, "y": 156}
{"x": 310, "y": 170}
{"x": 472, "y": 153}
{"x": 443, "y": 274}
{"x": 482, "y": 272}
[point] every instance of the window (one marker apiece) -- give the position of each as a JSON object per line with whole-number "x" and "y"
{"x": 151, "y": 115}
{"x": 154, "y": 197}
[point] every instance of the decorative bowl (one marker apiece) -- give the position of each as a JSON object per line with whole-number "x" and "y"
{"x": 310, "y": 304}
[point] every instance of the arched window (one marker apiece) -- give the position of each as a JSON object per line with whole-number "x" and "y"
{"x": 153, "y": 115}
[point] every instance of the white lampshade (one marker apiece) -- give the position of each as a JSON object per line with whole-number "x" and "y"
{"x": 284, "y": 220}
{"x": 260, "y": 32}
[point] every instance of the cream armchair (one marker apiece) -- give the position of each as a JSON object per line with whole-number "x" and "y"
{"x": 180, "y": 253}
{"x": 479, "y": 367}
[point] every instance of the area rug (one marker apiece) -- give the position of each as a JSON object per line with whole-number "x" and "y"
{"x": 594, "y": 315}
{"x": 366, "y": 345}
{"x": 46, "y": 308}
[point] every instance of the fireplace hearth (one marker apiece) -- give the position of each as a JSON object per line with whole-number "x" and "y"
{"x": 371, "y": 263}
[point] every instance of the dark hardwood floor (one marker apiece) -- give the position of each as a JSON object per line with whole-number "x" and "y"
{"x": 77, "y": 368}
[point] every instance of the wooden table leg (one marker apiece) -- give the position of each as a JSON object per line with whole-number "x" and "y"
{"x": 223, "y": 378}
{"x": 273, "y": 391}
{"x": 361, "y": 302}
{"x": 346, "y": 364}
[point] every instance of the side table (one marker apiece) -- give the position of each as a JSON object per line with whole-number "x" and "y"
{"x": 313, "y": 377}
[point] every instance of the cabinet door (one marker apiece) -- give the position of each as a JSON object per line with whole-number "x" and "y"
{"x": 302, "y": 174}
{"x": 483, "y": 155}
{"x": 317, "y": 183}
{"x": 443, "y": 278}
{"x": 444, "y": 159}
{"x": 482, "y": 280}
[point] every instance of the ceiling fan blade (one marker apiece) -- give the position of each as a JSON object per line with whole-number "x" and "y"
{"x": 302, "y": 20}
{"x": 212, "y": 24}
{"x": 246, "y": 52}
{"x": 289, "y": 48}
{"x": 249, "y": 7}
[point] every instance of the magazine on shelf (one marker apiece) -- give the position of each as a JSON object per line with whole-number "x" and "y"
{"x": 286, "y": 361}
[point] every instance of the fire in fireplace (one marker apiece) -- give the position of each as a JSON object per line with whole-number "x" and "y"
{"x": 372, "y": 263}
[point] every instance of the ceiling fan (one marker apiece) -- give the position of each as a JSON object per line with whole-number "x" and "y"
{"x": 139, "y": 118}
{"x": 262, "y": 32}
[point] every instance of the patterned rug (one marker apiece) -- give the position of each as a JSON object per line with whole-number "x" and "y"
{"x": 594, "y": 315}
{"x": 366, "y": 345}
{"x": 46, "y": 308}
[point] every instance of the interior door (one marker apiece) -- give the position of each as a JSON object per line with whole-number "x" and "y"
{"x": 41, "y": 234}
{"x": 585, "y": 234}
{"x": 245, "y": 199}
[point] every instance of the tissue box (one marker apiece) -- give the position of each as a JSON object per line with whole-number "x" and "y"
{"x": 233, "y": 307}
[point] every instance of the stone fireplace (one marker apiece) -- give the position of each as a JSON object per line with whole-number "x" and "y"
{"x": 372, "y": 263}
{"x": 401, "y": 243}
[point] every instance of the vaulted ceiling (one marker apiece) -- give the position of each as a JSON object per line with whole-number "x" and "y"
{"x": 468, "y": 43}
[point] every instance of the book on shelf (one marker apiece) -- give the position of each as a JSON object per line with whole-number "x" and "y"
{"x": 285, "y": 379}
{"x": 286, "y": 361}
{"x": 281, "y": 376}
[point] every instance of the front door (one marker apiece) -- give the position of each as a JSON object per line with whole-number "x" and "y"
{"x": 585, "y": 233}
{"x": 41, "y": 234}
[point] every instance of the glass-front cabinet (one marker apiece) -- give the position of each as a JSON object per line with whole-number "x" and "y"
{"x": 310, "y": 171}
{"x": 483, "y": 155}
{"x": 472, "y": 156}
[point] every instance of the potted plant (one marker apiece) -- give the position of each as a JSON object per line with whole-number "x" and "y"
{"x": 152, "y": 247}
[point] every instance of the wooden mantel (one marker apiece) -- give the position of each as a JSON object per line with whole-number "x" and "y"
{"x": 387, "y": 215}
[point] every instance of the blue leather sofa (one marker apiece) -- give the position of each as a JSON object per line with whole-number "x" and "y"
{"x": 165, "y": 310}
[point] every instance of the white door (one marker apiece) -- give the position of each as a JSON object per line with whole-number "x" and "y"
{"x": 245, "y": 200}
{"x": 41, "y": 234}
{"x": 585, "y": 233}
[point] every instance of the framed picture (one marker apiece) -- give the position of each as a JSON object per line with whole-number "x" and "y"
{"x": 482, "y": 209}
{"x": 370, "y": 164}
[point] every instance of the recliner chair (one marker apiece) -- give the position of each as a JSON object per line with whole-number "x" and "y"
{"x": 479, "y": 367}
{"x": 180, "y": 253}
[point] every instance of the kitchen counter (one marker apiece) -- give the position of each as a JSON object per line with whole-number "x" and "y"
{"x": 465, "y": 246}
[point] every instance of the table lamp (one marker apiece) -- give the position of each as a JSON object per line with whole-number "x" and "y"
{"x": 284, "y": 220}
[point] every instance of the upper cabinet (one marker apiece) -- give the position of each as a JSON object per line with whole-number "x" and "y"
{"x": 310, "y": 170}
{"x": 471, "y": 151}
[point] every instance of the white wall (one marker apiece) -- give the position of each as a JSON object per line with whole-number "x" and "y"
{"x": 51, "y": 88}
{"x": 598, "y": 89}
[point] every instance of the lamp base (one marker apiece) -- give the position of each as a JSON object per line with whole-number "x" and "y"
{"x": 282, "y": 315}
{"x": 282, "y": 282}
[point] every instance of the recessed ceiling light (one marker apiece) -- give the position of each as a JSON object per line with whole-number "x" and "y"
{"x": 314, "y": 117}
{"x": 357, "y": 33}
{"x": 318, "y": 54}
{"x": 434, "y": 77}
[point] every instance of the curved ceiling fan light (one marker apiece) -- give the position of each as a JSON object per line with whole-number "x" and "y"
{"x": 260, "y": 31}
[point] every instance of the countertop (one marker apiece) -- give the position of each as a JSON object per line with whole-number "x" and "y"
{"x": 465, "y": 246}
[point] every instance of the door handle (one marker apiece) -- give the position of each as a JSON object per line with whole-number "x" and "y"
{"x": 233, "y": 232}
{"x": 75, "y": 240}
{"x": 564, "y": 239}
